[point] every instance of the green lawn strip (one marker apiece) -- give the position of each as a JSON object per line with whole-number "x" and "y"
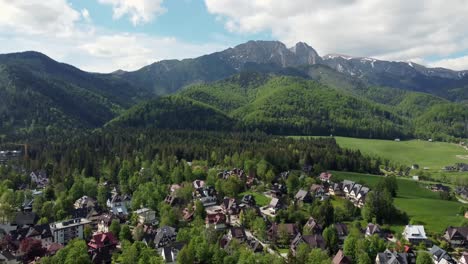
{"x": 260, "y": 199}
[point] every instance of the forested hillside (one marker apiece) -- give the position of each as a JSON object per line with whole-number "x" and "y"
{"x": 39, "y": 95}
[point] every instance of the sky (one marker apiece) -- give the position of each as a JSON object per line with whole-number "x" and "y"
{"x": 107, "y": 35}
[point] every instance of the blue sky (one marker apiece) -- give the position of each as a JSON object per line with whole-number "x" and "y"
{"x": 106, "y": 35}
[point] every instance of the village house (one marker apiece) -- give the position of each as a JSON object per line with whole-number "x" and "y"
{"x": 313, "y": 241}
{"x": 325, "y": 177}
{"x": 274, "y": 231}
{"x": 118, "y": 204}
{"x": 347, "y": 187}
{"x": 164, "y": 236}
{"x": 342, "y": 231}
{"x": 38, "y": 232}
{"x": 39, "y": 178}
{"x": 389, "y": 257}
{"x": 440, "y": 256}
{"x": 415, "y": 234}
{"x": 64, "y": 232}
{"x": 274, "y": 206}
{"x": 230, "y": 206}
{"x": 216, "y": 221}
{"x": 302, "y": 197}
{"x": 169, "y": 253}
{"x": 336, "y": 189}
{"x": 101, "y": 246}
{"x": 25, "y": 219}
{"x": 372, "y": 229}
{"x": 103, "y": 223}
{"x": 146, "y": 216}
{"x": 340, "y": 258}
{"x": 456, "y": 236}
{"x": 317, "y": 191}
{"x": 237, "y": 233}
{"x": 313, "y": 227}
{"x": 85, "y": 202}
{"x": 278, "y": 190}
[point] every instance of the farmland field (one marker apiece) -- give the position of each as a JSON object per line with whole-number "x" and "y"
{"x": 419, "y": 203}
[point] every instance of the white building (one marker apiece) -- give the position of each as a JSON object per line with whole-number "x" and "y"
{"x": 415, "y": 234}
{"x": 64, "y": 232}
{"x": 146, "y": 216}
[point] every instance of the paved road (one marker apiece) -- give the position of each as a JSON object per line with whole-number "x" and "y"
{"x": 271, "y": 251}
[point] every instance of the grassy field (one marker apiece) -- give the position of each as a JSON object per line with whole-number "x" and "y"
{"x": 433, "y": 155}
{"x": 260, "y": 199}
{"x": 419, "y": 203}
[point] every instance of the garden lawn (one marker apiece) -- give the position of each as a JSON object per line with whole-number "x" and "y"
{"x": 260, "y": 199}
{"x": 419, "y": 203}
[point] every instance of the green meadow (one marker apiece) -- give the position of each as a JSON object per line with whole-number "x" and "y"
{"x": 419, "y": 203}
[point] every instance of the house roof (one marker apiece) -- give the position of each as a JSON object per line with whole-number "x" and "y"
{"x": 102, "y": 240}
{"x": 238, "y": 232}
{"x": 414, "y": 232}
{"x": 25, "y": 218}
{"x": 325, "y": 176}
{"x": 450, "y": 232}
{"x": 439, "y": 254}
{"x": 340, "y": 258}
{"x": 274, "y": 203}
{"x": 314, "y": 241}
{"x": 372, "y": 229}
{"x": 301, "y": 195}
{"x": 341, "y": 229}
{"x": 389, "y": 257}
{"x": 165, "y": 231}
{"x": 290, "y": 228}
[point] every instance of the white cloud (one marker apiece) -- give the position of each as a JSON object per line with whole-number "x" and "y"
{"x": 460, "y": 63}
{"x": 38, "y": 17}
{"x": 397, "y": 30}
{"x": 139, "y": 11}
{"x": 55, "y": 28}
{"x": 85, "y": 14}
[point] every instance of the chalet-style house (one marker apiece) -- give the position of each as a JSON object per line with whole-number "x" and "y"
{"x": 230, "y": 206}
{"x": 85, "y": 202}
{"x": 457, "y": 236}
{"x": 440, "y": 256}
{"x": 274, "y": 231}
{"x": 389, "y": 257}
{"x": 208, "y": 201}
{"x": 101, "y": 246}
{"x": 325, "y": 176}
{"x": 164, "y": 236}
{"x": 146, "y": 216}
{"x": 169, "y": 253}
{"x": 342, "y": 231}
{"x": 415, "y": 234}
{"x": 104, "y": 221}
{"x": 313, "y": 227}
{"x": 171, "y": 199}
{"x": 8, "y": 258}
{"x": 274, "y": 206}
{"x": 340, "y": 258}
{"x": 38, "y": 232}
{"x": 302, "y": 197}
{"x": 237, "y": 233}
{"x": 313, "y": 241}
{"x": 317, "y": 191}
{"x": 372, "y": 229}
{"x": 216, "y": 221}
{"x": 39, "y": 178}
{"x": 118, "y": 204}
{"x": 336, "y": 189}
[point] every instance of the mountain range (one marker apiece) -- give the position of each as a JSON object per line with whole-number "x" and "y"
{"x": 261, "y": 85}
